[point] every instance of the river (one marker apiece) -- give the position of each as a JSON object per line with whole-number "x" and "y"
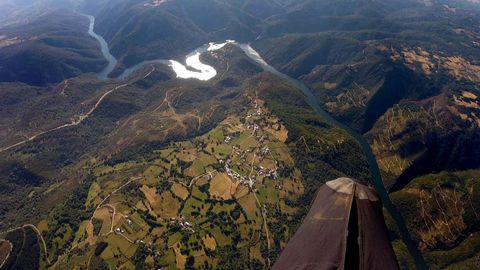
{"x": 112, "y": 61}
{"x": 193, "y": 68}
{"x": 200, "y": 71}
{"x": 372, "y": 161}
{"x": 205, "y": 72}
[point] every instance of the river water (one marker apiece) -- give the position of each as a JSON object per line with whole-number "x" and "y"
{"x": 112, "y": 61}
{"x": 194, "y": 68}
{"x": 372, "y": 161}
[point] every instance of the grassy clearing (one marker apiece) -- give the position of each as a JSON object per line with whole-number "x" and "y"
{"x": 89, "y": 230}
{"x": 220, "y": 238}
{"x": 219, "y": 151}
{"x": 105, "y": 216}
{"x": 62, "y": 239}
{"x": 169, "y": 259}
{"x": 42, "y": 226}
{"x": 469, "y": 248}
{"x": 5, "y": 250}
{"x": 243, "y": 136}
{"x": 108, "y": 253}
{"x": 158, "y": 210}
{"x": 209, "y": 242}
{"x": 187, "y": 156}
{"x": 192, "y": 206}
{"x": 268, "y": 193}
{"x": 217, "y": 134}
{"x": 249, "y": 205}
{"x": 130, "y": 252}
{"x": 180, "y": 191}
{"x": 151, "y": 195}
{"x": 180, "y": 259}
{"x": 169, "y": 206}
{"x": 222, "y": 186}
{"x": 200, "y": 164}
{"x": 196, "y": 192}
{"x": 80, "y": 233}
{"x": 93, "y": 193}
{"x": 127, "y": 266}
{"x": 119, "y": 242}
{"x": 249, "y": 142}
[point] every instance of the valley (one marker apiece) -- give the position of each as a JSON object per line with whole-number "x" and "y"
{"x": 203, "y": 72}
{"x": 139, "y": 147}
{"x": 259, "y": 163}
{"x": 207, "y": 72}
{"x": 230, "y": 183}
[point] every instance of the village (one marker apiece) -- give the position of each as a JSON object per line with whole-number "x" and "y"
{"x": 253, "y": 122}
{"x": 195, "y": 194}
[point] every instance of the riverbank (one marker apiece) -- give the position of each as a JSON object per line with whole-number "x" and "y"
{"x": 372, "y": 162}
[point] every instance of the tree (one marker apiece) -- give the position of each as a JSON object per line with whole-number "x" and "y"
{"x": 190, "y": 262}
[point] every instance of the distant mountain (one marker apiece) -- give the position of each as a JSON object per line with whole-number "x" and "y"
{"x": 24, "y": 11}
{"x": 406, "y": 75}
{"x": 389, "y": 71}
{"x": 403, "y": 73}
{"x": 49, "y": 49}
{"x": 137, "y": 31}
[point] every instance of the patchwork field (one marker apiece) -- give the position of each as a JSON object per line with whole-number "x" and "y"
{"x": 217, "y": 193}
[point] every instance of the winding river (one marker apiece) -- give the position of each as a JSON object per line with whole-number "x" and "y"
{"x": 372, "y": 161}
{"x": 194, "y": 68}
{"x": 112, "y": 61}
{"x": 197, "y": 70}
{"x": 200, "y": 71}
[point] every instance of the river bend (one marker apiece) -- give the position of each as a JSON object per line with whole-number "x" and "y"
{"x": 194, "y": 68}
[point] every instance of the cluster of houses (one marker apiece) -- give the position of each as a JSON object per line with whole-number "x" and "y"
{"x": 265, "y": 150}
{"x": 184, "y": 225}
{"x": 267, "y": 173}
{"x": 155, "y": 3}
{"x": 261, "y": 154}
{"x": 243, "y": 180}
{"x": 150, "y": 249}
{"x": 127, "y": 220}
{"x": 254, "y": 128}
{"x": 119, "y": 230}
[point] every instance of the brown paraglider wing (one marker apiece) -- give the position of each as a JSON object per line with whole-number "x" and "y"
{"x": 321, "y": 241}
{"x": 376, "y": 250}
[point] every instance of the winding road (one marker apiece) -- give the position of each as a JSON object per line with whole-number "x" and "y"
{"x": 40, "y": 236}
{"x": 75, "y": 122}
{"x": 100, "y": 205}
{"x": 201, "y": 72}
{"x": 205, "y": 72}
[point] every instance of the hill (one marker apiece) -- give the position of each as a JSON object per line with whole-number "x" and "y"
{"x": 187, "y": 133}
{"x": 57, "y": 40}
{"x": 152, "y": 171}
{"x": 442, "y": 212}
{"x": 417, "y": 61}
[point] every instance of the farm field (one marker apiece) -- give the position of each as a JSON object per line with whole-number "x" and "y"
{"x": 194, "y": 200}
